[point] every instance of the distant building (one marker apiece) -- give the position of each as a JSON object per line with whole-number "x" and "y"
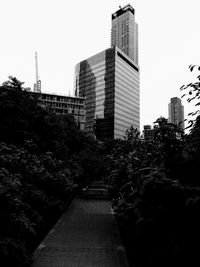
{"x": 65, "y": 105}
{"x": 109, "y": 81}
{"x": 148, "y": 132}
{"x": 124, "y": 33}
{"x": 37, "y": 87}
{"x": 176, "y": 112}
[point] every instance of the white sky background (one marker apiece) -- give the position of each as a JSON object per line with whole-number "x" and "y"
{"x": 67, "y": 32}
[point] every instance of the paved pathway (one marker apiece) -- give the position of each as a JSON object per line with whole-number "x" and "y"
{"x": 85, "y": 236}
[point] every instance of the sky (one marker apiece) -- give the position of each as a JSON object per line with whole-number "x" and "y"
{"x": 66, "y": 32}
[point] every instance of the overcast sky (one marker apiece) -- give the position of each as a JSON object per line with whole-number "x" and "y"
{"x": 67, "y": 32}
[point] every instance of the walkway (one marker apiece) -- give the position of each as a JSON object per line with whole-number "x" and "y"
{"x": 85, "y": 236}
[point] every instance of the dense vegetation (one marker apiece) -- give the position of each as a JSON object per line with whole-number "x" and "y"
{"x": 157, "y": 190}
{"x": 44, "y": 159}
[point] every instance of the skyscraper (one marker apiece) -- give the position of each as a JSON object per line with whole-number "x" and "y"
{"x": 176, "y": 112}
{"x": 109, "y": 81}
{"x": 124, "y": 33}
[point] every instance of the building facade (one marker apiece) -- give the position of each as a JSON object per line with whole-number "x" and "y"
{"x": 124, "y": 32}
{"x": 148, "y": 133}
{"x": 109, "y": 81}
{"x": 176, "y": 112}
{"x": 65, "y": 105}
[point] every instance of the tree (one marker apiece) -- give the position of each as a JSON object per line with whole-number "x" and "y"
{"x": 36, "y": 184}
{"x": 22, "y": 118}
{"x": 192, "y": 92}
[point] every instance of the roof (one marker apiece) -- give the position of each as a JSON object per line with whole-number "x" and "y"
{"x": 123, "y": 10}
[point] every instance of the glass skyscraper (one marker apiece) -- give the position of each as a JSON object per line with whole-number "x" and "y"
{"x": 109, "y": 81}
{"x": 124, "y": 32}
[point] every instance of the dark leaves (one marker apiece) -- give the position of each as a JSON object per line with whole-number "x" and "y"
{"x": 191, "y": 123}
{"x": 183, "y": 87}
{"x": 191, "y": 67}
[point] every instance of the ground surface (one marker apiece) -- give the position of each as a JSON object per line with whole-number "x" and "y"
{"x": 85, "y": 236}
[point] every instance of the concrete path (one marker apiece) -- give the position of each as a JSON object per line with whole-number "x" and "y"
{"x": 85, "y": 236}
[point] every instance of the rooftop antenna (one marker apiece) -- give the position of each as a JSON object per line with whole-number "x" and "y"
{"x": 37, "y": 84}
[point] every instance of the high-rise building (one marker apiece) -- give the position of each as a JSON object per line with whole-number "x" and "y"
{"x": 176, "y": 112}
{"x": 124, "y": 33}
{"x": 110, "y": 83}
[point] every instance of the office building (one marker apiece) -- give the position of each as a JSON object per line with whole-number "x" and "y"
{"x": 109, "y": 81}
{"x": 124, "y": 32}
{"x": 176, "y": 112}
{"x": 65, "y": 105}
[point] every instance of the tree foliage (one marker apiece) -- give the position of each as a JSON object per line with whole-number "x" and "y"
{"x": 157, "y": 191}
{"x": 23, "y": 118}
{"x": 155, "y": 184}
{"x": 192, "y": 93}
{"x": 42, "y": 158}
{"x": 33, "y": 193}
